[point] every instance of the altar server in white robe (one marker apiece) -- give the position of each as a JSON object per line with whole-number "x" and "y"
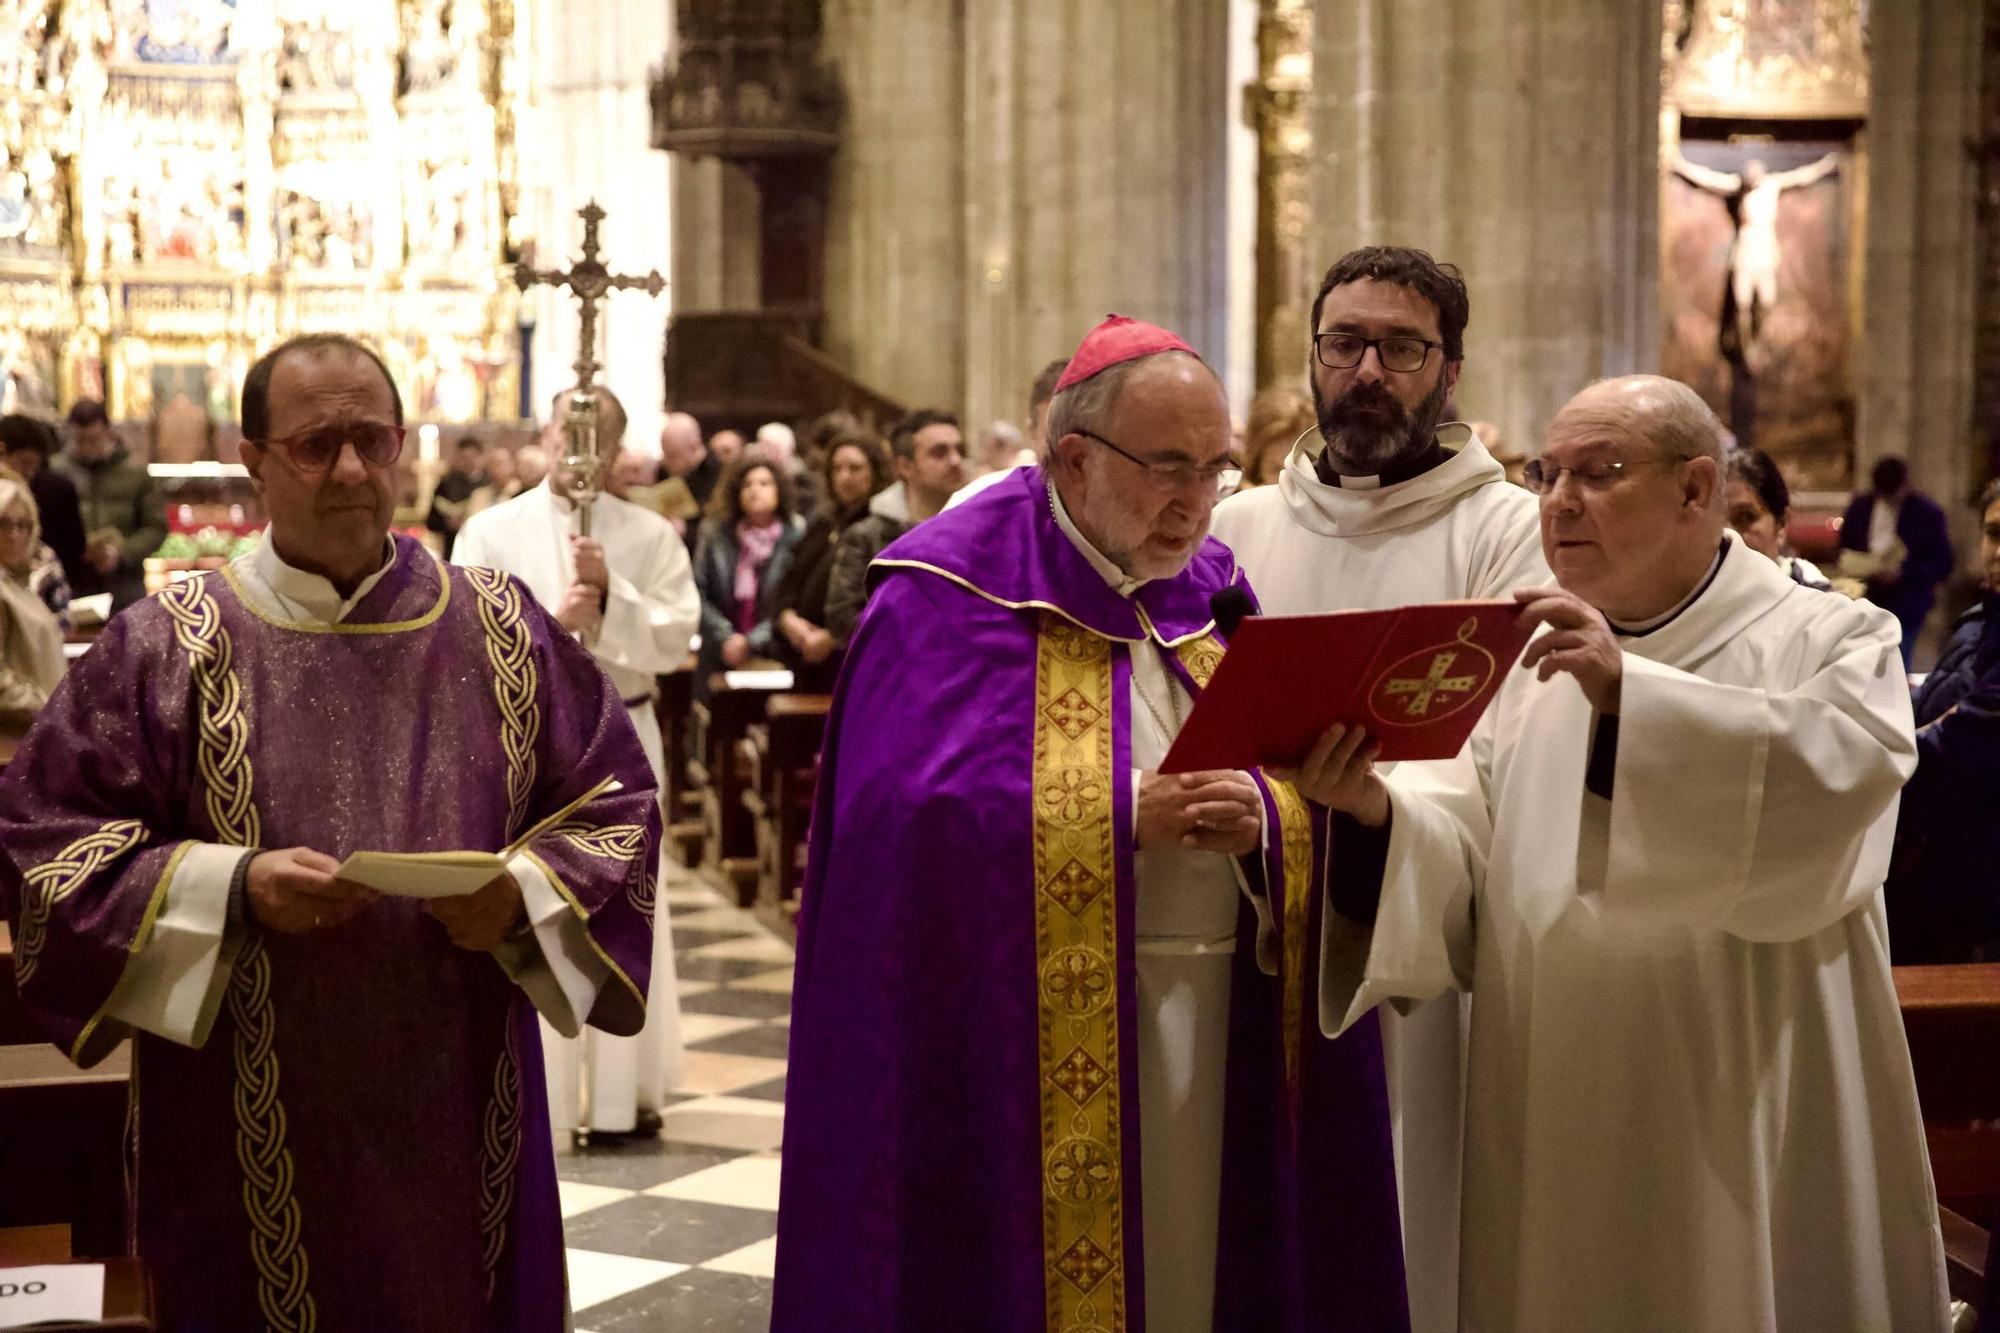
{"x": 1390, "y": 508}
{"x": 628, "y": 592}
{"x": 1658, "y": 868}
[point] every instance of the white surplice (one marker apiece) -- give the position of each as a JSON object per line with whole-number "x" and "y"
{"x": 1690, "y": 1098}
{"x": 1184, "y": 937}
{"x": 651, "y": 613}
{"x": 1457, "y": 531}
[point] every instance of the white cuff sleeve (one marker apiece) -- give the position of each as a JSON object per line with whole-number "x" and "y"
{"x": 554, "y": 964}
{"x": 173, "y": 985}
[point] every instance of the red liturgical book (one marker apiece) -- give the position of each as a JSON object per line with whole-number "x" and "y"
{"x": 1417, "y": 677}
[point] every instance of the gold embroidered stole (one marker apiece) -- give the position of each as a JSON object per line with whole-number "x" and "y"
{"x": 1076, "y": 947}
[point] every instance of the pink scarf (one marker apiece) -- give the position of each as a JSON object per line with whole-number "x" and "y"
{"x": 755, "y": 544}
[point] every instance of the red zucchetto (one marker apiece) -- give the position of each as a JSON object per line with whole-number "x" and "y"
{"x": 1117, "y": 339}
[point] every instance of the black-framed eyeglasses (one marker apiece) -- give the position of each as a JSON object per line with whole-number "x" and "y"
{"x": 1222, "y": 478}
{"x": 1343, "y": 351}
{"x": 315, "y": 450}
{"x": 1597, "y": 475}
{"x": 17, "y": 525}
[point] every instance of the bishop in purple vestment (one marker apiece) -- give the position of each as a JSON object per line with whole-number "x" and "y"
{"x": 338, "y": 1118}
{"x": 1053, "y": 1058}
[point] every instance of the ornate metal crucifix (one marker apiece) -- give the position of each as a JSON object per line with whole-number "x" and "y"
{"x": 589, "y": 281}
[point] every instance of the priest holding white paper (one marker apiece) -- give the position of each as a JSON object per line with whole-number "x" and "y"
{"x": 627, "y": 591}
{"x": 1391, "y": 508}
{"x": 337, "y": 1115}
{"x": 1658, "y": 868}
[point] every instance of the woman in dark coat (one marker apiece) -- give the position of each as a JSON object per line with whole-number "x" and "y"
{"x": 746, "y": 546}
{"x": 853, "y": 468}
{"x": 1944, "y": 888}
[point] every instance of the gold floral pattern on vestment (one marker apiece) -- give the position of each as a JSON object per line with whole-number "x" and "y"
{"x": 1076, "y": 942}
{"x": 52, "y": 881}
{"x": 222, "y": 760}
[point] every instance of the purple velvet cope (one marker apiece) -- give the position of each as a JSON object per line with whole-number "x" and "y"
{"x": 912, "y": 1190}
{"x": 362, "y": 1141}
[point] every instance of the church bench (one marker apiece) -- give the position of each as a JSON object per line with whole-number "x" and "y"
{"x": 729, "y": 833}
{"x": 1951, "y": 1015}
{"x": 62, "y": 1159}
{"x": 781, "y": 757}
{"x": 796, "y": 725}
{"x": 680, "y": 801}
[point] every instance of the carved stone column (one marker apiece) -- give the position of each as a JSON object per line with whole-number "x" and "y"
{"x": 1916, "y": 366}
{"x": 1280, "y": 102}
{"x": 1519, "y": 141}
{"x": 1011, "y": 173}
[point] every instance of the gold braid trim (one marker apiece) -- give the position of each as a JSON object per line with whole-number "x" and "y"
{"x": 1076, "y": 947}
{"x": 613, "y": 842}
{"x": 516, "y": 691}
{"x": 52, "y": 881}
{"x": 510, "y": 652}
{"x": 617, "y": 842}
{"x": 277, "y": 1245}
{"x": 501, "y": 1153}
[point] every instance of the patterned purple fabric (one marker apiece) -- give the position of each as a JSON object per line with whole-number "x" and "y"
{"x": 912, "y": 1196}
{"x": 362, "y": 1141}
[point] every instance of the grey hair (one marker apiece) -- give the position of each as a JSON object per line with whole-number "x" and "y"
{"x": 1086, "y": 406}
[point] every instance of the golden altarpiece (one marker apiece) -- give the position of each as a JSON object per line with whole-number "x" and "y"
{"x": 184, "y": 182}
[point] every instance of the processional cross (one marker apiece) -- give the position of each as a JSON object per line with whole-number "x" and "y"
{"x": 589, "y": 281}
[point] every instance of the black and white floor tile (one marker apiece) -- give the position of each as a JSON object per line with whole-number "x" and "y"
{"x": 680, "y": 1232}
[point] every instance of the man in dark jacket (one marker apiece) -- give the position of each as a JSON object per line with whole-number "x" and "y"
{"x": 29, "y": 444}
{"x": 124, "y": 517}
{"x": 930, "y": 461}
{"x": 1943, "y": 892}
{"x": 1895, "y": 538}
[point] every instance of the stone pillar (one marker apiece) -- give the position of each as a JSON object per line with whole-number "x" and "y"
{"x": 1916, "y": 362}
{"x": 1519, "y": 140}
{"x": 593, "y": 122}
{"x": 1011, "y": 172}
{"x": 895, "y": 273}
{"x": 716, "y": 233}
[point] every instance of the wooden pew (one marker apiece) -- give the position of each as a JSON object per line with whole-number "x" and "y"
{"x": 783, "y": 758}
{"x": 1952, "y": 1018}
{"x": 729, "y": 832}
{"x": 62, "y": 1157}
{"x": 680, "y": 803}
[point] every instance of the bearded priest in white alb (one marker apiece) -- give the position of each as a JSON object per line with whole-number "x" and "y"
{"x": 1395, "y": 510}
{"x": 627, "y": 591}
{"x": 1658, "y": 868}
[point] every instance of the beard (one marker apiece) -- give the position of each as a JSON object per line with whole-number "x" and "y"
{"x": 1366, "y": 429}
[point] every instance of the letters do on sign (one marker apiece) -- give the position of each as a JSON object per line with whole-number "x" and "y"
{"x": 50, "y": 1294}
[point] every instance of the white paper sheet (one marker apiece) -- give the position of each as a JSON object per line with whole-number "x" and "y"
{"x": 51, "y": 1294}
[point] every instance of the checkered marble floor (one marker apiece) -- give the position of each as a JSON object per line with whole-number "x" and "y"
{"x": 680, "y": 1233}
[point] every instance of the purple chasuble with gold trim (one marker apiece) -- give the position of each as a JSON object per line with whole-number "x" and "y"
{"x": 362, "y": 1140}
{"x": 962, "y": 1140}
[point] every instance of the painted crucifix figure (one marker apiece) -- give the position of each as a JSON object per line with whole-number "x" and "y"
{"x": 1750, "y": 291}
